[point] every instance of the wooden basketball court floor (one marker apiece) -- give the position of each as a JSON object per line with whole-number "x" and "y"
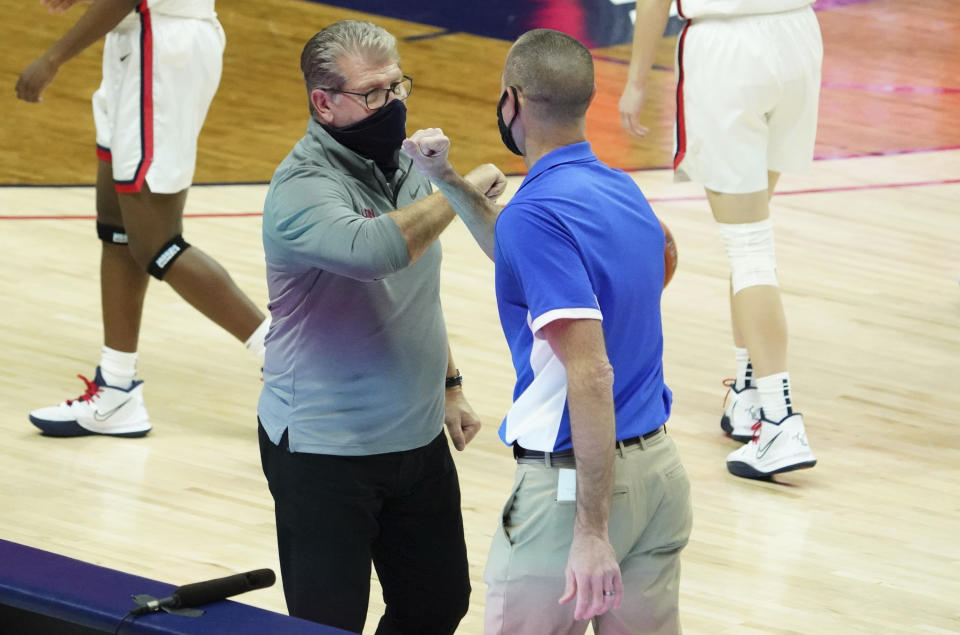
{"x": 867, "y": 542}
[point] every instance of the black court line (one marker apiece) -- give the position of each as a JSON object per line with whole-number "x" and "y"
{"x": 428, "y": 36}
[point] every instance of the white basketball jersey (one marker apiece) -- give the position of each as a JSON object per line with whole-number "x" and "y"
{"x": 725, "y": 8}
{"x": 197, "y": 9}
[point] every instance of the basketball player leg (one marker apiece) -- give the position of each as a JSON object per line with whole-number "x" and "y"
{"x": 154, "y": 214}
{"x": 754, "y": 305}
{"x": 757, "y": 316}
{"x": 780, "y": 443}
{"x": 152, "y": 221}
{"x": 123, "y": 282}
{"x": 113, "y": 402}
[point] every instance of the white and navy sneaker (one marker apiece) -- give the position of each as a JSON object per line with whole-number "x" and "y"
{"x": 741, "y": 410}
{"x": 102, "y": 409}
{"x": 775, "y": 448}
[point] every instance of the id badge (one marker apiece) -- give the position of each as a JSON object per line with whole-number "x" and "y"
{"x": 566, "y": 485}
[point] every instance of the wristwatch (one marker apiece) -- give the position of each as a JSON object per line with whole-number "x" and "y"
{"x": 456, "y": 380}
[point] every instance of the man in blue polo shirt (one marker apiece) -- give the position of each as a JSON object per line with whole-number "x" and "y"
{"x": 600, "y": 509}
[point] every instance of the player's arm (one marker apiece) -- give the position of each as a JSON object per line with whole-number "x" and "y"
{"x": 98, "y": 20}
{"x": 652, "y": 16}
{"x": 60, "y": 6}
{"x": 592, "y": 565}
{"x": 472, "y": 196}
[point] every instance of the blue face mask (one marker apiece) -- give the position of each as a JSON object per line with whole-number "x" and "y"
{"x": 505, "y": 134}
{"x": 377, "y": 137}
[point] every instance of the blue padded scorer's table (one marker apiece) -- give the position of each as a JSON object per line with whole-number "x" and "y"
{"x": 97, "y": 597}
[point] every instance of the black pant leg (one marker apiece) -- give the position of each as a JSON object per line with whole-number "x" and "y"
{"x": 421, "y": 556}
{"x": 326, "y": 510}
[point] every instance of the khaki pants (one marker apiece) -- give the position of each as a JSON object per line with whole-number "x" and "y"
{"x": 650, "y": 520}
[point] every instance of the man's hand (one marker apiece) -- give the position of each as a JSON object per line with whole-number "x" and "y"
{"x": 593, "y": 575}
{"x": 630, "y": 104}
{"x": 488, "y": 179}
{"x": 462, "y": 422}
{"x": 429, "y": 149}
{"x": 35, "y": 79}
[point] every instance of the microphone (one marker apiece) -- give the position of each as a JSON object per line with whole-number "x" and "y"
{"x": 199, "y": 593}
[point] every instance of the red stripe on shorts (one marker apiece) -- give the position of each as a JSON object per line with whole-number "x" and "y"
{"x": 103, "y": 154}
{"x": 146, "y": 103}
{"x": 681, "y": 127}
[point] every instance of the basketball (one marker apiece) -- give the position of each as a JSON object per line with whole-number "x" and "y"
{"x": 669, "y": 255}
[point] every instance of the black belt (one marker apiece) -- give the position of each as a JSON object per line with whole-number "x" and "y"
{"x": 523, "y": 453}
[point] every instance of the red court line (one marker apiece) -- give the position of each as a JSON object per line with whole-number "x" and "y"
{"x": 93, "y": 216}
{"x": 663, "y": 199}
{"x": 823, "y": 190}
{"x": 642, "y": 168}
{"x": 893, "y": 88}
{"x": 826, "y": 5}
{"x": 883, "y": 153}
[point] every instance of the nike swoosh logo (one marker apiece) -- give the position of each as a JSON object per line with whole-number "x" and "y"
{"x": 766, "y": 446}
{"x": 101, "y": 417}
{"x": 123, "y": 57}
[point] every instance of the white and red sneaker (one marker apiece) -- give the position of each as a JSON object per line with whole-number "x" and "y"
{"x": 775, "y": 448}
{"x": 741, "y": 411}
{"x": 102, "y": 409}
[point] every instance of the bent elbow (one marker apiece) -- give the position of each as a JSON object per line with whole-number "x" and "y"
{"x": 595, "y": 379}
{"x": 373, "y": 271}
{"x": 604, "y": 375}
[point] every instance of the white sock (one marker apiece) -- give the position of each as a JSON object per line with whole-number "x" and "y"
{"x": 744, "y": 369}
{"x": 255, "y": 342}
{"x": 775, "y": 396}
{"x": 118, "y": 368}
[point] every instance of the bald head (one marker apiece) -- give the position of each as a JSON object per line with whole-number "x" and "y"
{"x": 554, "y": 72}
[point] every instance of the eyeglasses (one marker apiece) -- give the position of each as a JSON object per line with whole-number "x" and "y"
{"x": 378, "y": 97}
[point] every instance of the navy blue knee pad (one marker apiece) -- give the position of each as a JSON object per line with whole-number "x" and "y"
{"x": 113, "y": 234}
{"x": 167, "y": 255}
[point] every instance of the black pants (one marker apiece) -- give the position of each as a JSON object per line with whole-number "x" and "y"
{"x": 400, "y": 510}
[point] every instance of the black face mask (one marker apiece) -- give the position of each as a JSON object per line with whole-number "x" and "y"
{"x": 505, "y": 133}
{"x": 378, "y": 137}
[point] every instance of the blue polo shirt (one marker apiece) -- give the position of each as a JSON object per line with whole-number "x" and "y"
{"x": 579, "y": 240}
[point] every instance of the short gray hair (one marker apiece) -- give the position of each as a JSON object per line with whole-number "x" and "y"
{"x": 553, "y": 71}
{"x": 318, "y": 61}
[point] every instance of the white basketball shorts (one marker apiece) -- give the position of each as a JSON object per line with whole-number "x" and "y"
{"x": 159, "y": 78}
{"x": 747, "y": 95}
